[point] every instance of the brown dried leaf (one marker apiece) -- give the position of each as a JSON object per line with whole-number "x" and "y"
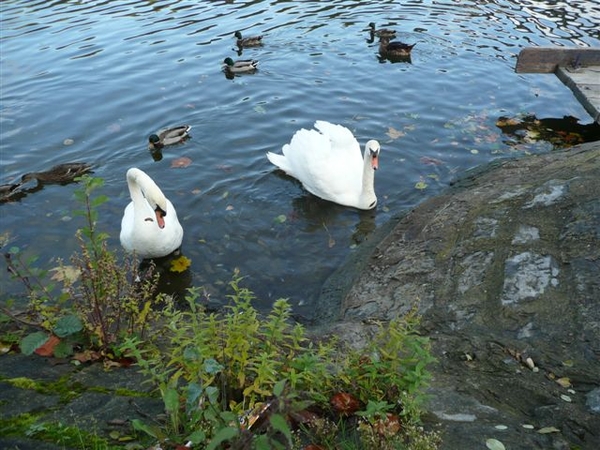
{"x": 181, "y": 162}
{"x": 395, "y": 134}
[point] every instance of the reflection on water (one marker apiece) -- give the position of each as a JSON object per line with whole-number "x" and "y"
{"x": 103, "y": 76}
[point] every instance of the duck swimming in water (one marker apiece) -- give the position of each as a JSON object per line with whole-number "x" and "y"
{"x": 168, "y": 136}
{"x": 394, "y": 48}
{"x": 253, "y": 41}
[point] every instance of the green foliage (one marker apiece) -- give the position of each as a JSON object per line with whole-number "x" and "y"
{"x": 236, "y": 378}
{"x": 101, "y": 299}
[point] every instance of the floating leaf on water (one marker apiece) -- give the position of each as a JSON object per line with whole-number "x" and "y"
{"x": 180, "y": 264}
{"x": 528, "y": 426}
{"x": 430, "y": 161}
{"x": 494, "y": 444}
{"x": 280, "y": 218}
{"x": 394, "y": 134}
{"x": 420, "y": 185}
{"x": 260, "y": 109}
{"x": 331, "y": 242}
{"x": 501, "y": 427}
{"x": 474, "y": 151}
{"x": 229, "y": 208}
{"x": 196, "y": 191}
{"x": 180, "y": 163}
{"x": 568, "y": 363}
{"x": 547, "y": 430}
{"x": 68, "y": 141}
{"x": 566, "y": 398}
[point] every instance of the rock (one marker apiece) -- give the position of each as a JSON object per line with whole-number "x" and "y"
{"x": 505, "y": 263}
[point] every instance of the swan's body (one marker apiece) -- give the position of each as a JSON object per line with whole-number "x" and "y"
{"x": 329, "y": 165}
{"x": 150, "y": 227}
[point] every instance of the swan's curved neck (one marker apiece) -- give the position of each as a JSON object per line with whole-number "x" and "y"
{"x": 368, "y": 196}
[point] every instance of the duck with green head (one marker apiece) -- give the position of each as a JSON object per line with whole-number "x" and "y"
{"x": 240, "y": 66}
{"x": 253, "y": 41}
{"x": 168, "y": 136}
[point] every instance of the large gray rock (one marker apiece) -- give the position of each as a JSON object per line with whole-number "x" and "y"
{"x": 505, "y": 269}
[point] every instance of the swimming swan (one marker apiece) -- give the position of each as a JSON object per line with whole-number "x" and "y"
{"x": 150, "y": 227}
{"x": 329, "y": 165}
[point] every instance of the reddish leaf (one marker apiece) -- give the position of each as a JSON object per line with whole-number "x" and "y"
{"x": 48, "y": 348}
{"x": 431, "y": 161}
{"x": 344, "y": 403}
{"x": 180, "y": 163}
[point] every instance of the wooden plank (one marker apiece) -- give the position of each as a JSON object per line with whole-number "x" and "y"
{"x": 546, "y": 60}
{"x": 585, "y": 84}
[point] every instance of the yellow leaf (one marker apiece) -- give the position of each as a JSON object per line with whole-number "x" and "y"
{"x": 180, "y": 264}
{"x": 66, "y": 274}
{"x": 564, "y": 382}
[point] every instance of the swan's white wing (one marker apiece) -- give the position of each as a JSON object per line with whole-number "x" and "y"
{"x": 322, "y": 164}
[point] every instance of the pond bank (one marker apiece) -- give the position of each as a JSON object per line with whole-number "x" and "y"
{"x": 505, "y": 269}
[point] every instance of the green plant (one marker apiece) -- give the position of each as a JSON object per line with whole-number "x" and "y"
{"x": 220, "y": 376}
{"x": 102, "y": 298}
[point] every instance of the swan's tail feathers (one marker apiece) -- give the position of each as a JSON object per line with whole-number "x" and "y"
{"x": 279, "y": 161}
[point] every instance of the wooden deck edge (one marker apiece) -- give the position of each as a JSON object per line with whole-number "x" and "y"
{"x": 585, "y": 86}
{"x": 548, "y": 59}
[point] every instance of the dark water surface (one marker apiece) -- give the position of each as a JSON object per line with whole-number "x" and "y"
{"x": 90, "y": 80}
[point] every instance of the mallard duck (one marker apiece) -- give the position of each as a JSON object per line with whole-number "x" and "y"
{"x": 329, "y": 164}
{"x": 394, "y": 48}
{"x": 150, "y": 226}
{"x": 168, "y": 136}
{"x": 240, "y": 66}
{"x": 8, "y": 191}
{"x": 253, "y": 41}
{"x": 382, "y": 32}
{"x": 61, "y": 173}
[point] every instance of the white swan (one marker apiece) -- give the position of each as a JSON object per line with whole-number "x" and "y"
{"x": 329, "y": 165}
{"x": 150, "y": 227}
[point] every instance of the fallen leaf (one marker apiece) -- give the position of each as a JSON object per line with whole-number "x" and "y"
{"x": 66, "y": 274}
{"x": 431, "y": 161}
{"x": 180, "y": 264}
{"x": 344, "y": 403}
{"x": 564, "y": 382}
{"x": 394, "y": 134}
{"x": 48, "y": 348}
{"x": 421, "y": 185}
{"x": 180, "y": 163}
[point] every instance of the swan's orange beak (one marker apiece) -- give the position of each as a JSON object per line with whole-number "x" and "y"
{"x": 375, "y": 162}
{"x": 160, "y": 217}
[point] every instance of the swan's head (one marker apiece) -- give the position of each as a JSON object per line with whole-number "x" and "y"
{"x": 373, "y": 148}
